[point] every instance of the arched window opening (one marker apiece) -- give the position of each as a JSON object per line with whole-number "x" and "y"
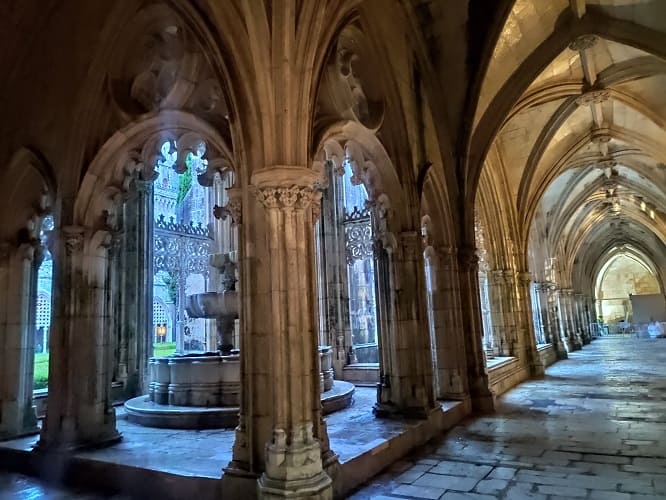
{"x": 484, "y": 292}
{"x": 43, "y": 307}
{"x": 182, "y": 245}
{"x": 622, "y": 277}
{"x": 357, "y": 226}
{"x": 537, "y": 318}
{"x": 347, "y": 276}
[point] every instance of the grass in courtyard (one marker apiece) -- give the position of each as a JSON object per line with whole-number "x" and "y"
{"x": 42, "y": 362}
{"x": 163, "y": 349}
{"x": 41, "y": 370}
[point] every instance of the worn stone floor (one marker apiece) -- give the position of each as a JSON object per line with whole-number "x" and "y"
{"x": 595, "y": 428}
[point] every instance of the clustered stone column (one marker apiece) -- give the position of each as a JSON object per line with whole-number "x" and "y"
{"x": 133, "y": 288}
{"x": 447, "y": 325}
{"x": 527, "y": 339}
{"x": 406, "y": 363}
{"x": 502, "y": 309}
{"x": 482, "y": 399}
{"x": 281, "y": 410}
{"x": 18, "y": 277}
{"x": 567, "y": 320}
{"x": 79, "y": 409}
{"x": 547, "y": 294}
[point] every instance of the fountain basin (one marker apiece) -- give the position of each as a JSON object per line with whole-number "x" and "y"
{"x": 203, "y": 380}
{"x": 212, "y": 304}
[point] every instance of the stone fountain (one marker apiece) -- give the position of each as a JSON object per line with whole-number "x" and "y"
{"x": 202, "y": 390}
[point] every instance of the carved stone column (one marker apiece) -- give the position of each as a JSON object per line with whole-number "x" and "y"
{"x": 18, "y": 279}
{"x": 134, "y": 266}
{"x": 526, "y": 336}
{"x": 447, "y": 327}
{"x": 283, "y": 362}
{"x": 482, "y": 399}
{"x": 551, "y": 319}
{"x": 79, "y": 411}
{"x": 503, "y": 304}
{"x": 581, "y": 320}
{"x": 406, "y": 386}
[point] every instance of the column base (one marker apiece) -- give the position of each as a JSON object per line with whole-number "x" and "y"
{"x": 483, "y": 400}
{"x": 74, "y": 444}
{"x": 19, "y": 422}
{"x": 319, "y": 487}
{"x": 70, "y": 435}
{"x": 561, "y": 351}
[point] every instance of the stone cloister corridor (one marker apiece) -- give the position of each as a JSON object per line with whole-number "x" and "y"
{"x": 594, "y": 427}
{"x": 268, "y": 249}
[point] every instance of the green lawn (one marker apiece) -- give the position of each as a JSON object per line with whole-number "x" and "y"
{"x": 42, "y": 362}
{"x": 41, "y": 370}
{"x": 163, "y": 349}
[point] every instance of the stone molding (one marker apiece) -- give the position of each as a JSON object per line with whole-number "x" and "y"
{"x": 233, "y": 208}
{"x": 583, "y": 42}
{"x": 592, "y": 97}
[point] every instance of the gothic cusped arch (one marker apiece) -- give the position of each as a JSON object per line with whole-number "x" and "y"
{"x": 133, "y": 151}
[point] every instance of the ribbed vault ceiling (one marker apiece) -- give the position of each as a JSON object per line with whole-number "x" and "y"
{"x": 583, "y": 147}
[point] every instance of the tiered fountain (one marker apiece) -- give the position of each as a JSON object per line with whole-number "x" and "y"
{"x": 202, "y": 390}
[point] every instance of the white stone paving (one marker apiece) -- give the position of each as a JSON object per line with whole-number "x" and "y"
{"x": 594, "y": 428}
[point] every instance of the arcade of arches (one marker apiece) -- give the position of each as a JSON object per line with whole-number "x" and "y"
{"x": 411, "y": 206}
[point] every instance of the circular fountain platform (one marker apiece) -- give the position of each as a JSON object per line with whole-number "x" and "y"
{"x": 143, "y": 411}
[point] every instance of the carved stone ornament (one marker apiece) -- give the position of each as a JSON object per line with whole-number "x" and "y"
{"x": 593, "y": 97}
{"x": 284, "y": 197}
{"x": 72, "y": 239}
{"x": 232, "y": 209}
{"x": 583, "y": 42}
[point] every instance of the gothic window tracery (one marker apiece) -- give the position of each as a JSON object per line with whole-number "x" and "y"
{"x": 181, "y": 245}
{"x": 360, "y": 264}
{"x": 484, "y": 293}
{"x": 42, "y": 306}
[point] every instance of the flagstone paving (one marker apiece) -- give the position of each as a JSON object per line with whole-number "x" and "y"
{"x": 594, "y": 427}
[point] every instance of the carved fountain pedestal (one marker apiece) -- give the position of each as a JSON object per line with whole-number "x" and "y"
{"x": 202, "y": 390}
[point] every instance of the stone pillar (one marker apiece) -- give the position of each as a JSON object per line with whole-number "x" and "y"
{"x": 482, "y": 398}
{"x": 406, "y": 385}
{"x": 527, "y": 339}
{"x": 79, "y": 411}
{"x": 583, "y": 326}
{"x": 566, "y": 320}
{"x": 551, "y": 320}
{"x": 281, "y": 412}
{"x": 134, "y": 267}
{"x": 451, "y": 366}
{"x": 496, "y": 295}
{"x": 18, "y": 279}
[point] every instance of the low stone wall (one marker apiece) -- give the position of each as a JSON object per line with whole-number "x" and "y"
{"x": 506, "y": 373}
{"x": 548, "y": 354}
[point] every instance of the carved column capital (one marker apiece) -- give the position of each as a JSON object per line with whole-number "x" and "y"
{"x": 285, "y": 186}
{"x": 73, "y": 239}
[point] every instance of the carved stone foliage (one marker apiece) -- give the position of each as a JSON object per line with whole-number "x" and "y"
{"x": 350, "y": 85}
{"x": 285, "y": 197}
{"x": 157, "y": 64}
{"x": 181, "y": 249}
